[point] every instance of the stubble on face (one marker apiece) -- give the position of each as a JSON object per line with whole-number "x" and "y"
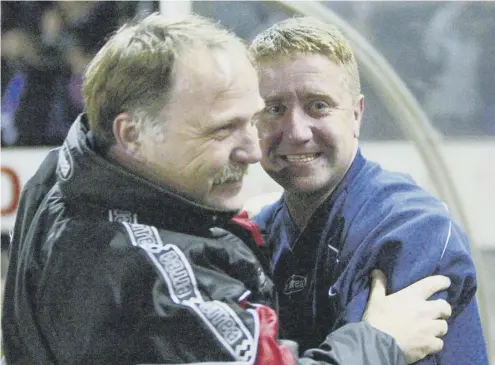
{"x": 328, "y": 141}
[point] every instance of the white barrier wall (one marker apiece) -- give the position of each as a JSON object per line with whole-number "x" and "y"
{"x": 472, "y": 166}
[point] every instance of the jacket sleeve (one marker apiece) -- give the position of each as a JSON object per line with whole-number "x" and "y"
{"x": 355, "y": 343}
{"x": 201, "y": 314}
{"x": 411, "y": 240}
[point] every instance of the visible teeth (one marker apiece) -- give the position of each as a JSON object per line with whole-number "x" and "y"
{"x": 301, "y": 158}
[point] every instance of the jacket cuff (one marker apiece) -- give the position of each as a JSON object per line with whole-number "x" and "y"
{"x": 356, "y": 343}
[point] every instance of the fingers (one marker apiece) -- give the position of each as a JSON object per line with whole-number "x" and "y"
{"x": 440, "y": 328}
{"x": 435, "y": 345}
{"x": 378, "y": 284}
{"x": 433, "y": 341}
{"x": 430, "y": 285}
{"x": 439, "y": 309}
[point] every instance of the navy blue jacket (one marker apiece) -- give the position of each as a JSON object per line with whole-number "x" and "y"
{"x": 373, "y": 219}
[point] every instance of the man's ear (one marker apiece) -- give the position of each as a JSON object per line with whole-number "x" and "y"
{"x": 126, "y": 133}
{"x": 358, "y": 114}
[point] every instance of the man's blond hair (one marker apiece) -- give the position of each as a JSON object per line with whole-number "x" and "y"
{"x": 306, "y": 35}
{"x": 135, "y": 70}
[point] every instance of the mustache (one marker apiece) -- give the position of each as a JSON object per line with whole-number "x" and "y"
{"x": 230, "y": 173}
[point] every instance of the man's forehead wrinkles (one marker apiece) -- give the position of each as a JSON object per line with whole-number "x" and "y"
{"x": 301, "y": 92}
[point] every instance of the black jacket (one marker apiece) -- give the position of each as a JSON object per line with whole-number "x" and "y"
{"x": 109, "y": 268}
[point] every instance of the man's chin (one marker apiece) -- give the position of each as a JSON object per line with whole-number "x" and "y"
{"x": 226, "y": 200}
{"x": 303, "y": 186}
{"x": 227, "y": 206}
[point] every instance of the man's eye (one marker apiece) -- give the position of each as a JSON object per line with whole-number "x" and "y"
{"x": 223, "y": 132}
{"x": 318, "y": 107}
{"x": 275, "y": 110}
{"x": 224, "y": 128}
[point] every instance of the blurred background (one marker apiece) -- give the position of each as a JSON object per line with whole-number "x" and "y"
{"x": 427, "y": 71}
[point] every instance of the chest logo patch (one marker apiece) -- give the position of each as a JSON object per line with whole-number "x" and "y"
{"x": 294, "y": 284}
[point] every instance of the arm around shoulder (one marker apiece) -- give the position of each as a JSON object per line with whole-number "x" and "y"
{"x": 409, "y": 244}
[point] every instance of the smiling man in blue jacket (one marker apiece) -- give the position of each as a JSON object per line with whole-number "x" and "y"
{"x": 341, "y": 216}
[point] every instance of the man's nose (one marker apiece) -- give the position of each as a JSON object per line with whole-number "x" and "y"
{"x": 248, "y": 151}
{"x": 296, "y": 127}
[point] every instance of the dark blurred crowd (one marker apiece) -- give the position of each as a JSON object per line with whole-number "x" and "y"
{"x": 45, "y": 49}
{"x": 443, "y": 51}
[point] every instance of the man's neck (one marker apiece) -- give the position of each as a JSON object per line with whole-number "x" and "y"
{"x": 302, "y": 206}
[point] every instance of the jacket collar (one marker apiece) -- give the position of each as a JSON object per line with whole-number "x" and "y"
{"x": 90, "y": 181}
{"x": 341, "y": 189}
